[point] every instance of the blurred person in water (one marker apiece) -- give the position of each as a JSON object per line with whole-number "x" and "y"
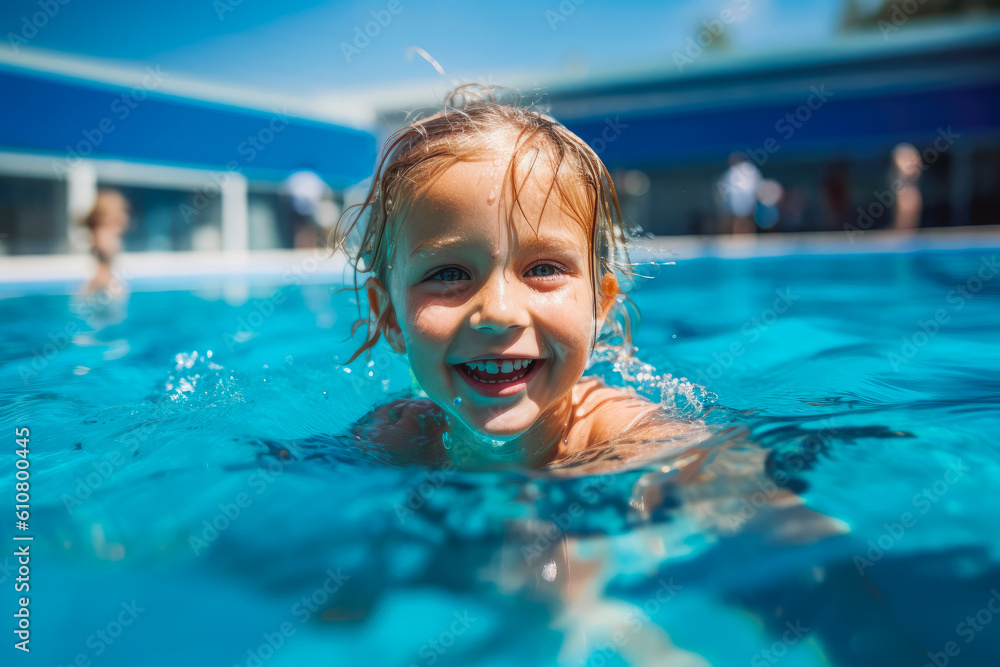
{"x": 107, "y": 221}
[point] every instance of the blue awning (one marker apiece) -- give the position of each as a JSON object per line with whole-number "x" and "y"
{"x": 848, "y": 100}
{"x": 843, "y": 126}
{"x": 70, "y": 118}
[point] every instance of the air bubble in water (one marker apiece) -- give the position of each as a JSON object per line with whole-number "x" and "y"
{"x": 446, "y": 440}
{"x": 457, "y": 402}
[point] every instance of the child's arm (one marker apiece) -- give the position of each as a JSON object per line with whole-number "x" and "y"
{"x": 402, "y": 428}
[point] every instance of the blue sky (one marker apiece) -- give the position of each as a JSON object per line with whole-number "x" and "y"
{"x": 295, "y": 46}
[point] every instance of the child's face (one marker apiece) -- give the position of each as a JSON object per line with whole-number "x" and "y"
{"x": 518, "y": 305}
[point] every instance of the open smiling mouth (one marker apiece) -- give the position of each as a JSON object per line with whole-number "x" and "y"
{"x": 499, "y": 377}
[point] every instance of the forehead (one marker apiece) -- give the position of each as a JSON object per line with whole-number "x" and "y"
{"x": 471, "y": 201}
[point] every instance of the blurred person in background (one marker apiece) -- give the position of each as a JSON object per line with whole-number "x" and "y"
{"x": 314, "y": 211}
{"x": 904, "y": 174}
{"x": 107, "y": 221}
{"x": 105, "y": 300}
{"x": 737, "y": 189}
{"x": 836, "y": 194}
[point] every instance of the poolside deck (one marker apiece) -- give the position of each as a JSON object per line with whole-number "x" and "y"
{"x": 178, "y": 270}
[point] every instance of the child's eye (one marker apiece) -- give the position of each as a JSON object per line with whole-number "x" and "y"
{"x": 450, "y": 274}
{"x": 544, "y": 270}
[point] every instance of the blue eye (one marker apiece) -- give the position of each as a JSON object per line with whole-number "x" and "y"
{"x": 450, "y": 274}
{"x": 544, "y": 271}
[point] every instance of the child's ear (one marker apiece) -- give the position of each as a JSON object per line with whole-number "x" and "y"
{"x": 383, "y": 312}
{"x": 609, "y": 291}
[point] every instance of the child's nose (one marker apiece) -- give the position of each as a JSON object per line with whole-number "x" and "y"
{"x": 499, "y": 306}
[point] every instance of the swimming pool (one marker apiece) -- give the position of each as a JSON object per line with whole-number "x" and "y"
{"x": 843, "y": 512}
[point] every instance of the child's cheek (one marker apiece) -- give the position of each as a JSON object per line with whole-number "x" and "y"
{"x": 567, "y": 309}
{"x": 431, "y": 321}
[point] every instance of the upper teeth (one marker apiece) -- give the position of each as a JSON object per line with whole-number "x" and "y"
{"x": 498, "y": 365}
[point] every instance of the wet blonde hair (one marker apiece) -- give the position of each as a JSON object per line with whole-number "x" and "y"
{"x": 472, "y": 125}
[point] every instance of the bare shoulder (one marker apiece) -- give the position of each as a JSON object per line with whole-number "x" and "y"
{"x": 613, "y": 414}
{"x": 404, "y": 427}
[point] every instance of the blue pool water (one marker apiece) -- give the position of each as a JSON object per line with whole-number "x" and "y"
{"x": 191, "y": 509}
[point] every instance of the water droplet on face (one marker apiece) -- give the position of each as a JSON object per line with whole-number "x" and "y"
{"x": 492, "y": 197}
{"x": 457, "y": 402}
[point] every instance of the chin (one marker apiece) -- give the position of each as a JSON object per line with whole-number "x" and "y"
{"x": 505, "y": 426}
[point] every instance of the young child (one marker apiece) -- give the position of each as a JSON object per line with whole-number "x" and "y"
{"x": 493, "y": 241}
{"x": 107, "y": 221}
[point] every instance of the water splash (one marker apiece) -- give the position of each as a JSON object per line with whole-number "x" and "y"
{"x": 196, "y": 376}
{"x": 620, "y": 366}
